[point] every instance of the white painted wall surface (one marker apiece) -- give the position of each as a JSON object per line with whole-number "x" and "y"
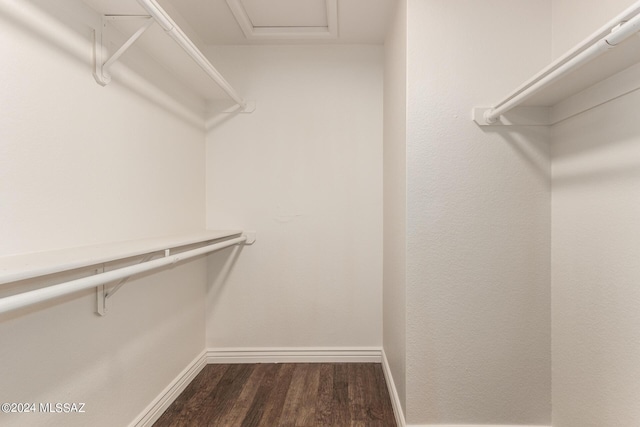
{"x": 93, "y": 163}
{"x": 395, "y": 199}
{"x": 478, "y": 297}
{"x": 305, "y": 171}
{"x": 82, "y": 164}
{"x": 596, "y": 242}
{"x": 595, "y": 247}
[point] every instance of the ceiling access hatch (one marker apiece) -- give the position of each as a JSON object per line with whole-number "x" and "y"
{"x": 286, "y": 19}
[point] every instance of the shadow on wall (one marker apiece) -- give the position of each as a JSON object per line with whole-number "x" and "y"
{"x": 219, "y": 268}
{"x": 531, "y": 144}
{"x": 220, "y": 112}
{"x": 575, "y": 140}
{"x": 48, "y": 23}
{"x": 603, "y": 176}
{"x": 66, "y": 27}
{"x": 79, "y": 347}
{"x": 587, "y": 151}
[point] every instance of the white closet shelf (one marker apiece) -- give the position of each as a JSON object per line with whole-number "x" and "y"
{"x": 574, "y": 82}
{"x": 166, "y": 42}
{"x": 27, "y": 266}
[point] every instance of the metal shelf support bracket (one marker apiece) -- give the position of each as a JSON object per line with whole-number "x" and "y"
{"x": 102, "y": 63}
{"x": 106, "y": 291}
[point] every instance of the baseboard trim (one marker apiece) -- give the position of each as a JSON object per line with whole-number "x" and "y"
{"x": 268, "y": 355}
{"x": 155, "y": 409}
{"x": 293, "y": 355}
{"x": 284, "y": 355}
{"x": 393, "y": 391}
{"x": 475, "y": 425}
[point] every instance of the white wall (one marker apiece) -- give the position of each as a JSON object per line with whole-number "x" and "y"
{"x": 395, "y": 199}
{"x": 595, "y": 246}
{"x": 596, "y": 240}
{"x": 82, "y": 164}
{"x": 478, "y": 218}
{"x": 305, "y": 171}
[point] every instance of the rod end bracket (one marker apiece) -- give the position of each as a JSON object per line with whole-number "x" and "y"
{"x": 517, "y": 116}
{"x": 480, "y": 115}
{"x": 251, "y": 237}
{"x": 248, "y": 107}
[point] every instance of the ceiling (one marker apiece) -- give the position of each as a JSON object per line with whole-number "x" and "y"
{"x": 212, "y": 22}
{"x": 305, "y": 13}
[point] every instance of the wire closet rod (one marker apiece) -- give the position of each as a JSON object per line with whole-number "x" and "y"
{"x": 171, "y": 28}
{"x": 607, "y": 37}
{"x": 26, "y": 299}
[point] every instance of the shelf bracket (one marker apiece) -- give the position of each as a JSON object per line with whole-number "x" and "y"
{"x": 106, "y": 291}
{"x": 101, "y": 300}
{"x": 102, "y": 63}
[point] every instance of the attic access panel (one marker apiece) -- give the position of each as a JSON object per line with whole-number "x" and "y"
{"x": 286, "y": 19}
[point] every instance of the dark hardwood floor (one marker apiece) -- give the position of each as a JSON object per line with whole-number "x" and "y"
{"x": 286, "y": 394}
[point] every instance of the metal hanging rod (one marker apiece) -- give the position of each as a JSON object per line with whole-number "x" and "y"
{"x": 171, "y": 28}
{"x": 607, "y": 37}
{"x": 26, "y": 299}
{"x": 158, "y": 14}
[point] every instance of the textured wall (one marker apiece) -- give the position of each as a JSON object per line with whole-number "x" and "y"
{"x": 595, "y": 246}
{"x": 478, "y": 317}
{"x": 596, "y": 242}
{"x": 395, "y": 199}
{"x": 305, "y": 171}
{"x": 83, "y": 164}
{"x": 92, "y": 163}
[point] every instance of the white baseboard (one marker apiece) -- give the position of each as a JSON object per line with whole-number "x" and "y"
{"x": 294, "y": 355}
{"x": 399, "y": 414}
{"x": 155, "y": 409}
{"x": 475, "y": 425}
{"x": 272, "y": 355}
{"x": 393, "y": 392}
{"x": 282, "y": 355}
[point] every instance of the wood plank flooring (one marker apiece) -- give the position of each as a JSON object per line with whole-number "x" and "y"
{"x": 286, "y": 394}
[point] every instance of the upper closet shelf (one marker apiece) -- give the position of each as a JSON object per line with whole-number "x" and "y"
{"x": 556, "y": 90}
{"x": 142, "y": 20}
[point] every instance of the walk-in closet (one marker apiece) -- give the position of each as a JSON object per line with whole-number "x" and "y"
{"x": 320, "y": 213}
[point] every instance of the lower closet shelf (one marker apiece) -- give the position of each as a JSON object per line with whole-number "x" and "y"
{"x": 36, "y": 264}
{"x": 33, "y": 265}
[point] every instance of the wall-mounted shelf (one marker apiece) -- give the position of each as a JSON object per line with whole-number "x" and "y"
{"x": 33, "y": 265}
{"x": 147, "y": 25}
{"x": 30, "y": 265}
{"x": 560, "y": 90}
